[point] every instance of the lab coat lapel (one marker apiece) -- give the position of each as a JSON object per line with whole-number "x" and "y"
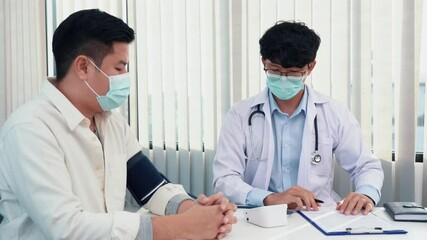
{"x": 263, "y": 172}
{"x": 269, "y": 141}
{"x": 308, "y": 135}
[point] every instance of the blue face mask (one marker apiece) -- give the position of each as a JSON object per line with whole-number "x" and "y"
{"x": 118, "y": 92}
{"x": 285, "y": 87}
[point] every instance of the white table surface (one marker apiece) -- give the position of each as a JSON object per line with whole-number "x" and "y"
{"x": 298, "y": 228}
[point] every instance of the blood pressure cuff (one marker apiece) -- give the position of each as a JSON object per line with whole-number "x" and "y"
{"x": 143, "y": 179}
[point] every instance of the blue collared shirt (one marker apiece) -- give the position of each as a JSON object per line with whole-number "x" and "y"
{"x": 288, "y": 131}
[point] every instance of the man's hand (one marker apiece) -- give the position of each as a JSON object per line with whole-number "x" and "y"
{"x": 354, "y": 203}
{"x": 216, "y": 199}
{"x": 296, "y": 197}
{"x": 206, "y": 218}
{"x": 226, "y": 207}
{"x": 198, "y": 222}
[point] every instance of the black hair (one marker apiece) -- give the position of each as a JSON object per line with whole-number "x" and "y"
{"x": 290, "y": 44}
{"x": 88, "y": 32}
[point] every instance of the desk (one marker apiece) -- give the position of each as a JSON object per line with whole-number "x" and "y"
{"x": 299, "y": 228}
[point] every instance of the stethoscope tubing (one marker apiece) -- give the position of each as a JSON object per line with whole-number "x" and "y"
{"x": 316, "y": 158}
{"x": 316, "y": 136}
{"x": 253, "y": 113}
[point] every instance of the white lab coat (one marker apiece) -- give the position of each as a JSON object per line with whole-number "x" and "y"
{"x": 338, "y": 133}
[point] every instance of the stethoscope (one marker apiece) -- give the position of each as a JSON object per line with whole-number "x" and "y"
{"x": 315, "y": 156}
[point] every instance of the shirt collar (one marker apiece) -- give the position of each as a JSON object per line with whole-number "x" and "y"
{"x": 301, "y": 107}
{"x": 72, "y": 116}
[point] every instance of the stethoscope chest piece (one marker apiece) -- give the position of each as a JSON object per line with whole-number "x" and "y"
{"x": 316, "y": 158}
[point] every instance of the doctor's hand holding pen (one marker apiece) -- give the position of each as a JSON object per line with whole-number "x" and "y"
{"x": 296, "y": 197}
{"x": 354, "y": 203}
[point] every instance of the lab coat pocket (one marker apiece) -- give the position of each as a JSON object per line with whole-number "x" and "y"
{"x": 116, "y": 181}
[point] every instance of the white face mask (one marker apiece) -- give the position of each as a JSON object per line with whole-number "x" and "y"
{"x": 118, "y": 92}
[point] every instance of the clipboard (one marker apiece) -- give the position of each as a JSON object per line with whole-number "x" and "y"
{"x": 331, "y": 222}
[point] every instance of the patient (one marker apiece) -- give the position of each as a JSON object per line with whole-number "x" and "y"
{"x": 66, "y": 159}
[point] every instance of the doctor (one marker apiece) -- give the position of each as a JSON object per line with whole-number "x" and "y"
{"x": 279, "y": 146}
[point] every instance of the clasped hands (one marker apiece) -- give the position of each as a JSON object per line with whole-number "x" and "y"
{"x": 225, "y": 206}
{"x": 214, "y": 215}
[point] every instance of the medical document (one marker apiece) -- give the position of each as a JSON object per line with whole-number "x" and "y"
{"x": 331, "y": 222}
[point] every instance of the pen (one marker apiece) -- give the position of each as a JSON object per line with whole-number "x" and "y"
{"x": 246, "y": 206}
{"x": 318, "y": 200}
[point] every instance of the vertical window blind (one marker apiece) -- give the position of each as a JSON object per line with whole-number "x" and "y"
{"x": 192, "y": 60}
{"x": 22, "y": 52}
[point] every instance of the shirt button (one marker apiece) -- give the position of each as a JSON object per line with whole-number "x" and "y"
{"x": 94, "y": 139}
{"x": 286, "y": 145}
{"x": 98, "y": 167}
{"x": 286, "y": 169}
{"x": 86, "y": 123}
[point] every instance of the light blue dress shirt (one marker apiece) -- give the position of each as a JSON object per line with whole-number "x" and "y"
{"x": 288, "y": 131}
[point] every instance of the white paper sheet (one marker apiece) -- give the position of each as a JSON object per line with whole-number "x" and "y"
{"x": 331, "y": 220}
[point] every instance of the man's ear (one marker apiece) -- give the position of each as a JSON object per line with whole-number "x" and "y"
{"x": 263, "y": 60}
{"x": 80, "y": 66}
{"x": 311, "y": 66}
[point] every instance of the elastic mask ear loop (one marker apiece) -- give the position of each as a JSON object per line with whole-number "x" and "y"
{"x": 87, "y": 84}
{"x": 99, "y": 69}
